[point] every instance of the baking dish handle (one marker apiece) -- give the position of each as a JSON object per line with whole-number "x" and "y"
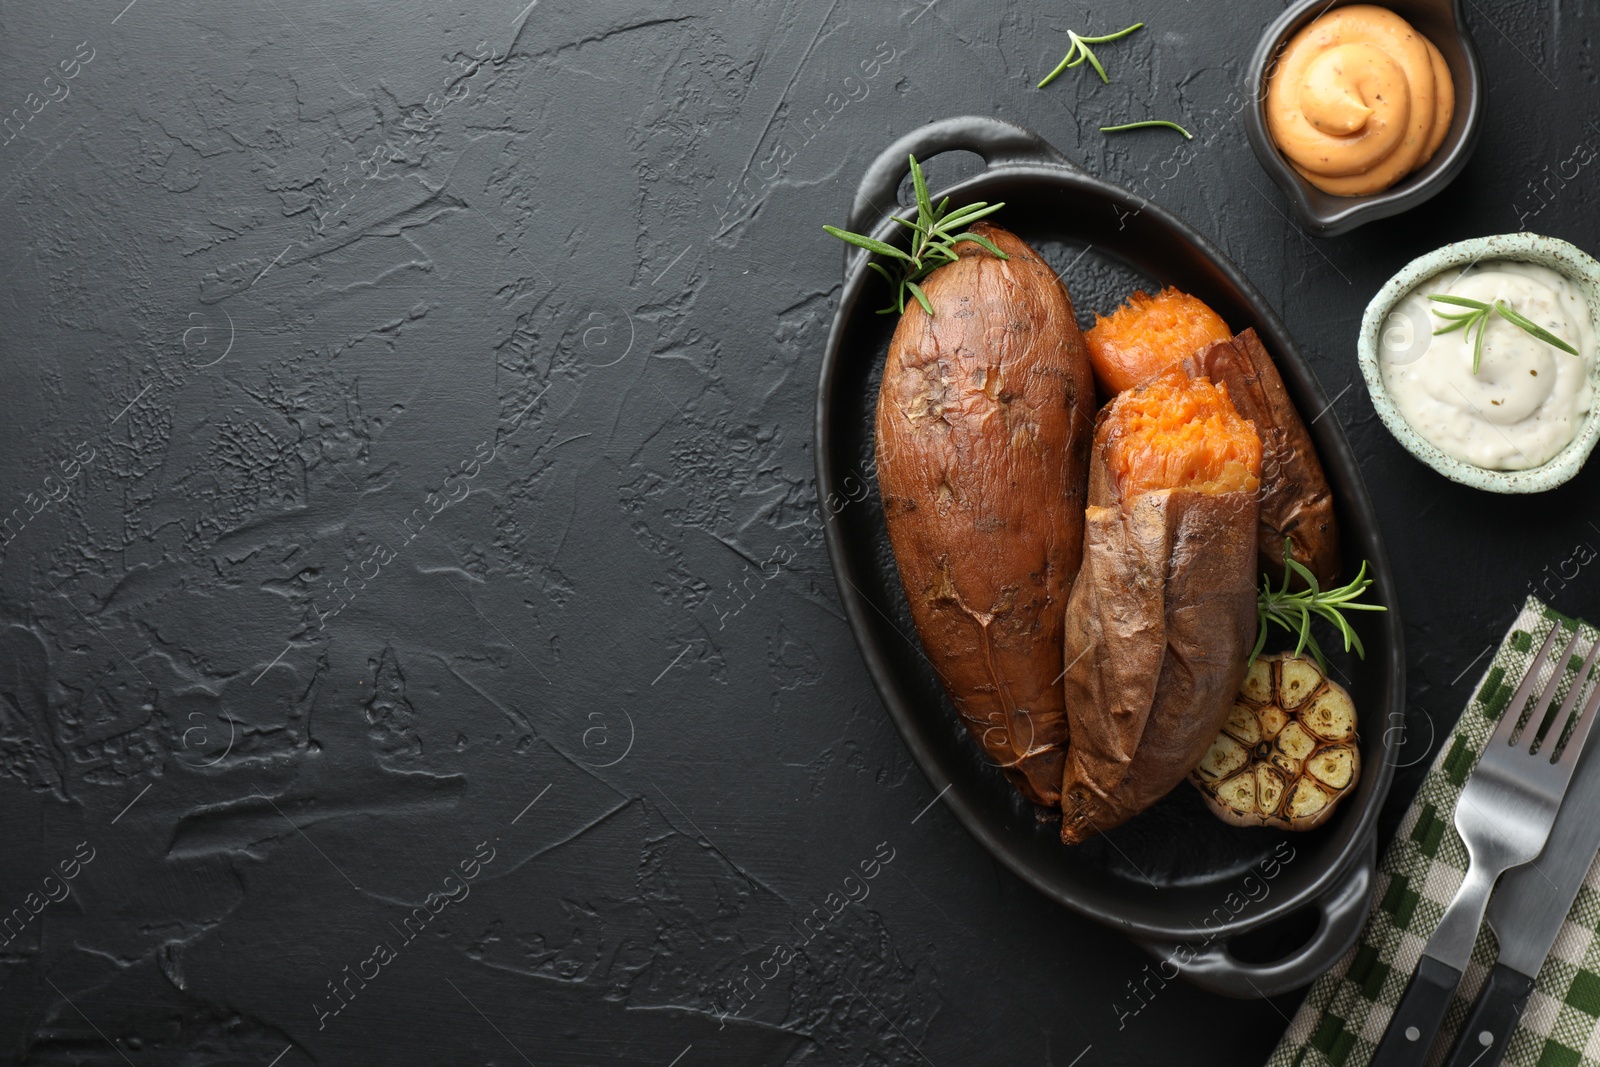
{"x": 997, "y": 141}
{"x": 1342, "y": 913}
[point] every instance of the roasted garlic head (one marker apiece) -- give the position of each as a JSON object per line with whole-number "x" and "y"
{"x": 1287, "y": 754}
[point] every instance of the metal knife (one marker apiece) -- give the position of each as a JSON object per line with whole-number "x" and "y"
{"x": 1526, "y": 912}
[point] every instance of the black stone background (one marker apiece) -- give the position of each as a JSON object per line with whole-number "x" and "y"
{"x": 435, "y": 234}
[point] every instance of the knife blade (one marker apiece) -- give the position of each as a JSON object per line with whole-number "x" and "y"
{"x": 1526, "y": 913}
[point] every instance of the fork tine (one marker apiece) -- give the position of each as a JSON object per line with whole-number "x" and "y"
{"x": 1540, "y": 720}
{"x": 1580, "y": 732}
{"x": 1560, "y": 723}
{"x": 1513, "y": 711}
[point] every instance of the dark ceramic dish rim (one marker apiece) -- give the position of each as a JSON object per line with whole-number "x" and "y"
{"x": 1042, "y": 164}
{"x": 1412, "y": 190}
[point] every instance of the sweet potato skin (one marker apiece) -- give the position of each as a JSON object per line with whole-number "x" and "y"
{"x": 984, "y": 421}
{"x": 1296, "y": 502}
{"x": 1159, "y": 625}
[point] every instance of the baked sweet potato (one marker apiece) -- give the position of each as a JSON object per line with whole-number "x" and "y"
{"x": 1149, "y": 335}
{"x": 1162, "y": 614}
{"x": 1296, "y": 502}
{"x": 984, "y": 421}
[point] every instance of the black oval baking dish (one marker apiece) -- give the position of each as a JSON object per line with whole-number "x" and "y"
{"x": 1175, "y": 876}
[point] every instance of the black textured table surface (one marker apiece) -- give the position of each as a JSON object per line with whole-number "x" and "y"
{"x": 414, "y": 646}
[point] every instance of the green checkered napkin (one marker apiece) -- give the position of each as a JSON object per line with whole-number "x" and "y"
{"x": 1344, "y": 1016}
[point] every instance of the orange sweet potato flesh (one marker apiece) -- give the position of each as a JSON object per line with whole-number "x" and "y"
{"x": 984, "y": 421}
{"x": 1178, "y": 433}
{"x": 1296, "y": 502}
{"x": 1162, "y": 615}
{"x": 1149, "y": 335}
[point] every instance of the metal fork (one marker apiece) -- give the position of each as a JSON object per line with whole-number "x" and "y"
{"x": 1504, "y": 816}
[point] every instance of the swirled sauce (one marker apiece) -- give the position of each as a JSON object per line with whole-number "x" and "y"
{"x": 1527, "y": 399}
{"x": 1358, "y": 100}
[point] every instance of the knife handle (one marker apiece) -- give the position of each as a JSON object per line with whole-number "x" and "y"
{"x": 1416, "y": 1021}
{"x": 1494, "y": 1019}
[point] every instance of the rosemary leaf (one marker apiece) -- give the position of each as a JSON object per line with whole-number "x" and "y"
{"x": 1098, "y": 69}
{"x": 1146, "y": 124}
{"x": 922, "y": 298}
{"x": 920, "y": 184}
{"x": 1294, "y": 565}
{"x": 981, "y": 240}
{"x": 870, "y": 244}
{"x": 966, "y": 215}
{"x": 1516, "y": 318}
{"x": 1459, "y": 301}
{"x": 1261, "y": 640}
{"x": 1119, "y": 35}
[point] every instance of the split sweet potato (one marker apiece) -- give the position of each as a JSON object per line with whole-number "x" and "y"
{"x": 1149, "y": 335}
{"x": 1296, "y": 502}
{"x": 1161, "y": 617}
{"x": 984, "y": 421}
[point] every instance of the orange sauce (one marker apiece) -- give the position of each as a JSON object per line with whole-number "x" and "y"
{"x": 1358, "y": 100}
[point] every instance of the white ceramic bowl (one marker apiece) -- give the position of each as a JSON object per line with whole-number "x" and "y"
{"x": 1560, "y": 256}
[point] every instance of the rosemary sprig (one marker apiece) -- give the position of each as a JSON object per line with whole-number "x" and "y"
{"x": 1080, "y": 51}
{"x": 1146, "y": 124}
{"x": 1478, "y": 317}
{"x": 934, "y": 236}
{"x": 1294, "y": 611}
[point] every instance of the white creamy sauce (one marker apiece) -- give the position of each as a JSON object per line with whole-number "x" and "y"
{"x": 1528, "y": 398}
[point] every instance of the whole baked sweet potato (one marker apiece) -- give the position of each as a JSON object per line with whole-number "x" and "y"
{"x": 1296, "y": 502}
{"x": 1162, "y": 614}
{"x": 984, "y": 421}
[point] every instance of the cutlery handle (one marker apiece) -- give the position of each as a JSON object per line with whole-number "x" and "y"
{"x": 1416, "y": 1021}
{"x": 1493, "y": 1020}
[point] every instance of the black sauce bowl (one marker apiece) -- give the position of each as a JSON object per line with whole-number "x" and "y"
{"x": 1324, "y": 214}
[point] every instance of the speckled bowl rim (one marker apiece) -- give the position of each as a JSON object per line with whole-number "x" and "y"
{"x": 1561, "y": 256}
